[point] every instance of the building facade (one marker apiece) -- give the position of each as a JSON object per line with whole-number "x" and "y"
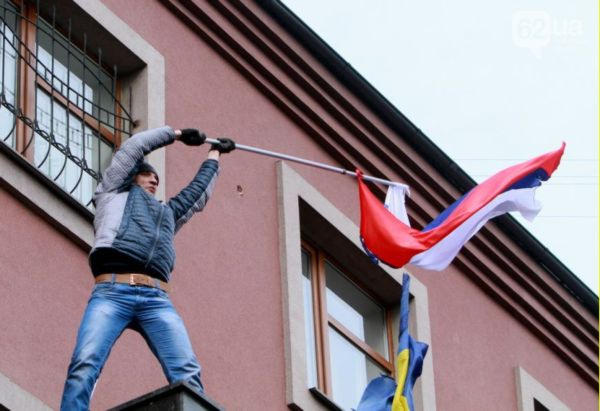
{"x": 283, "y": 308}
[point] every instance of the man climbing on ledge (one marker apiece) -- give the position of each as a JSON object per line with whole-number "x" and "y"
{"x": 132, "y": 260}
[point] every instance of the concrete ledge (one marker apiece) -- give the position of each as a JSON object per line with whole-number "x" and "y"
{"x": 46, "y": 198}
{"x": 14, "y": 397}
{"x": 175, "y": 397}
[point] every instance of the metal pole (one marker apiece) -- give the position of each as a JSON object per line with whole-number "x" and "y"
{"x": 308, "y": 163}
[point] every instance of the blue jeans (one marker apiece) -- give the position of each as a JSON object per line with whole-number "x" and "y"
{"x": 112, "y": 308}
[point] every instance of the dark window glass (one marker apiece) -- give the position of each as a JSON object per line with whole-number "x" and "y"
{"x": 537, "y": 406}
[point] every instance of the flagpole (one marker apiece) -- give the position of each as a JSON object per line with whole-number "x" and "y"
{"x": 307, "y": 162}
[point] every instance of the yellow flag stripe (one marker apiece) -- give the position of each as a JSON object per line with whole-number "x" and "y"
{"x": 400, "y": 403}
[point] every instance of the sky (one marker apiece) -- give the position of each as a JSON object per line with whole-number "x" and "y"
{"x": 492, "y": 84}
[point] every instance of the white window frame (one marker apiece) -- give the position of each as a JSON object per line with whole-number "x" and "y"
{"x": 528, "y": 389}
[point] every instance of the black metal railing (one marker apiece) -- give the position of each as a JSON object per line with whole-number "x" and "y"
{"x": 58, "y": 107}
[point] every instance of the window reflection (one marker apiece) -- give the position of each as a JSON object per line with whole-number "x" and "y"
{"x": 69, "y": 119}
{"x": 89, "y": 87}
{"x": 355, "y": 310}
{"x": 309, "y": 326}
{"x": 351, "y": 347}
{"x": 8, "y": 70}
{"x": 351, "y": 370}
{"x": 55, "y": 164}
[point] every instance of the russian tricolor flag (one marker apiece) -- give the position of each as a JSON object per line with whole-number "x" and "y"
{"x": 434, "y": 248}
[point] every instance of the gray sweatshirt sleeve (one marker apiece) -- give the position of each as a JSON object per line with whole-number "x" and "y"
{"x": 131, "y": 153}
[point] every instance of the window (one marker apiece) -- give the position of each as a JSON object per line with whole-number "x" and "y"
{"x": 532, "y": 395}
{"x": 538, "y": 406}
{"x": 60, "y": 101}
{"x": 347, "y": 331}
{"x": 8, "y": 68}
{"x": 360, "y": 295}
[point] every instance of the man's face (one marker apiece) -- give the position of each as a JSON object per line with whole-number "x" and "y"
{"x": 147, "y": 180}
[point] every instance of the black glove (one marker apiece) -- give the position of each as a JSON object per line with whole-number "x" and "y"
{"x": 225, "y": 145}
{"x": 192, "y": 137}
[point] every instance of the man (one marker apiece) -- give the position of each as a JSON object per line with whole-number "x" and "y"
{"x": 132, "y": 260}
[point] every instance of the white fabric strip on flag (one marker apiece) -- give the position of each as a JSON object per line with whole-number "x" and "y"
{"x": 394, "y": 201}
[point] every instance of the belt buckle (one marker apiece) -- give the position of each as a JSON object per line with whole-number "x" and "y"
{"x": 138, "y": 279}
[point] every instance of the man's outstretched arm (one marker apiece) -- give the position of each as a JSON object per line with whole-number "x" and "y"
{"x": 195, "y": 195}
{"x": 131, "y": 153}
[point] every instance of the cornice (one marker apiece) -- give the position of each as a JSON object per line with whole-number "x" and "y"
{"x": 299, "y": 86}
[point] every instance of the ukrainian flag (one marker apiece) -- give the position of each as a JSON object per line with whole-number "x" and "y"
{"x": 385, "y": 394}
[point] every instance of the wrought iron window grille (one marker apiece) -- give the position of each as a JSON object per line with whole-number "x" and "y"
{"x": 58, "y": 107}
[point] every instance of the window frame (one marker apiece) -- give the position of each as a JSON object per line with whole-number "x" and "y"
{"x": 102, "y": 130}
{"x": 304, "y": 212}
{"x": 530, "y": 390}
{"x": 33, "y": 80}
{"x": 23, "y": 180}
{"x": 323, "y": 320}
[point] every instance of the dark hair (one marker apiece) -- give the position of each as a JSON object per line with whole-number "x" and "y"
{"x": 146, "y": 167}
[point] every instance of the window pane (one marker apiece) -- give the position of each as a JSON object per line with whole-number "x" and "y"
{"x": 538, "y": 406}
{"x": 309, "y": 325}
{"x": 351, "y": 370}
{"x": 355, "y": 310}
{"x": 44, "y": 118}
{"x": 8, "y": 70}
{"x": 54, "y": 163}
{"x": 92, "y": 153}
{"x": 74, "y": 172}
{"x": 105, "y": 101}
{"x": 106, "y": 152}
{"x": 89, "y": 86}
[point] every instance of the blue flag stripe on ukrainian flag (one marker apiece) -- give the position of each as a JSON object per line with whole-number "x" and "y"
{"x": 385, "y": 394}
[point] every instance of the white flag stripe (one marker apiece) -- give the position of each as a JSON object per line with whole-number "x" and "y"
{"x": 441, "y": 255}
